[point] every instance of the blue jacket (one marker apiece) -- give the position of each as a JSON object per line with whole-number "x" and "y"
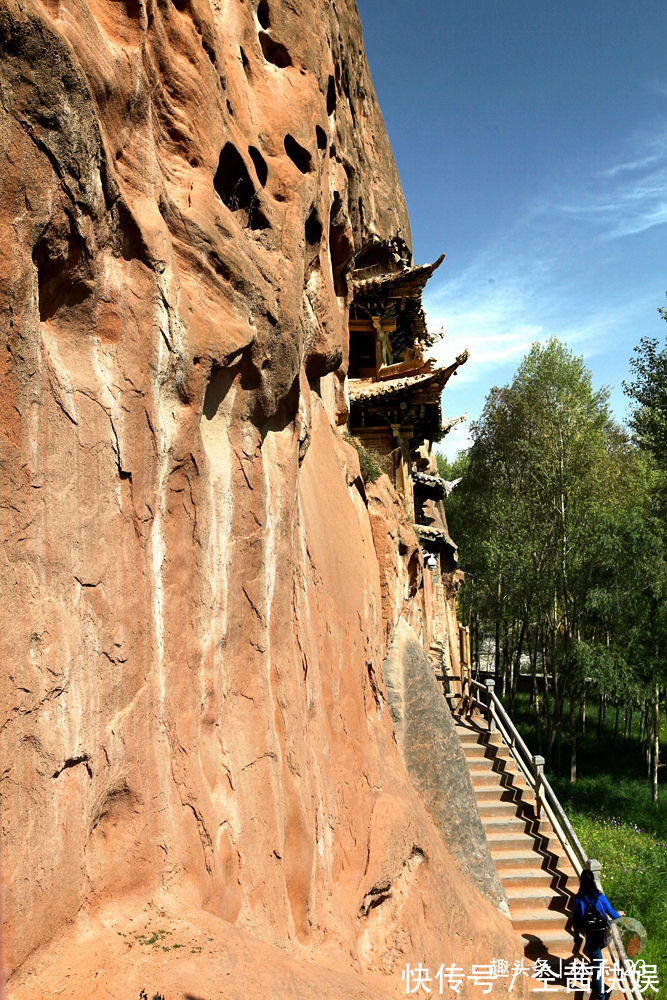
{"x": 581, "y": 904}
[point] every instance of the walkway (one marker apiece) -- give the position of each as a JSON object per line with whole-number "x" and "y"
{"x": 537, "y": 877}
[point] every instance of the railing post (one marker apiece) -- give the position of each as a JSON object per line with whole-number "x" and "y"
{"x": 538, "y": 771}
{"x": 596, "y": 868}
{"x": 490, "y": 684}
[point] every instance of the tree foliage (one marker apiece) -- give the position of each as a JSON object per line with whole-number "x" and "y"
{"x": 562, "y": 541}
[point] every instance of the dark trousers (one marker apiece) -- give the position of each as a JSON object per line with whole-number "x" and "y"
{"x": 594, "y": 945}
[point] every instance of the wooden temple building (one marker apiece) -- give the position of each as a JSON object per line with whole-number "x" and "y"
{"x": 396, "y": 412}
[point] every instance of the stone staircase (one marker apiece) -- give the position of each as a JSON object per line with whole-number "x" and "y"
{"x": 538, "y": 878}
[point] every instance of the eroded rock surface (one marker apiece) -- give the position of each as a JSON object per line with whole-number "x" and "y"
{"x": 193, "y": 709}
{"x": 435, "y": 760}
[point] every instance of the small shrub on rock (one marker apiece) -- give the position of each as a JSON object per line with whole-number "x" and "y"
{"x": 370, "y": 462}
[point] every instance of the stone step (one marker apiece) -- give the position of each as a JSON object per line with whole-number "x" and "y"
{"x": 490, "y": 748}
{"x": 493, "y": 792}
{"x": 475, "y": 751}
{"x": 538, "y": 919}
{"x": 510, "y": 824}
{"x": 512, "y": 839}
{"x": 473, "y": 735}
{"x": 558, "y": 944}
{"x": 516, "y": 860}
{"x": 497, "y": 807}
{"x": 484, "y": 780}
{"x": 524, "y": 877}
{"x": 525, "y": 851}
{"x": 531, "y": 897}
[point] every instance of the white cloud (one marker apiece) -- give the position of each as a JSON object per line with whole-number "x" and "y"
{"x": 626, "y": 197}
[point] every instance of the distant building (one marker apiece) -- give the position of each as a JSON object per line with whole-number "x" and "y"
{"x": 395, "y": 411}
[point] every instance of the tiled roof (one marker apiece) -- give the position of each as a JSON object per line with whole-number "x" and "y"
{"x": 427, "y": 479}
{"x": 365, "y": 389}
{"x": 428, "y": 531}
{"x": 360, "y": 389}
{"x": 409, "y": 279}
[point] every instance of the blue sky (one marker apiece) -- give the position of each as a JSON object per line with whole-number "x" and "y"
{"x": 531, "y": 139}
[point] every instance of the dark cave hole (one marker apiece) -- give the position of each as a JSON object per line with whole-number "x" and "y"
{"x": 274, "y": 52}
{"x": 256, "y": 217}
{"x": 321, "y": 137}
{"x": 232, "y": 180}
{"x": 340, "y": 246}
{"x": 263, "y": 14}
{"x": 244, "y": 60}
{"x": 61, "y": 280}
{"x": 331, "y": 96}
{"x": 299, "y": 156}
{"x": 313, "y": 229}
{"x": 260, "y": 164}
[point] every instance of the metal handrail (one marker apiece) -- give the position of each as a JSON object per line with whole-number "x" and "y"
{"x": 532, "y": 768}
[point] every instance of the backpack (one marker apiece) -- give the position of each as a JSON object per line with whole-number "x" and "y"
{"x": 594, "y": 922}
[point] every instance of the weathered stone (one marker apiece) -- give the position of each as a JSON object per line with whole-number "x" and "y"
{"x": 435, "y": 760}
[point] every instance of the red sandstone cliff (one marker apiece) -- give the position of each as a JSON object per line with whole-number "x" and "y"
{"x": 195, "y": 737}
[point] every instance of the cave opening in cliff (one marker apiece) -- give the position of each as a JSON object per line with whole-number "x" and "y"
{"x": 256, "y": 217}
{"x": 60, "y": 275}
{"x": 321, "y": 137}
{"x": 299, "y": 156}
{"x": 313, "y": 228}
{"x": 263, "y": 14}
{"x": 274, "y": 52}
{"x": 331, "y": 96}
{"x": 232, "y": 182}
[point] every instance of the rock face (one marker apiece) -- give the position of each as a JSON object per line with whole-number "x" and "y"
{"x": 435, "y": 760}
{"x": 193, "y": 714}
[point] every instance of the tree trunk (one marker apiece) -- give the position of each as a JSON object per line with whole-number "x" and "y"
{"x": 599, "y": 718}
{"x": 656, "y": 746}
{"x": 558, "y": 717}
{"x": 547, "y": 706}
{"x": 641, "y": 724}
{"x": 583, "y": 713}
{"x": 517, "y": 667}
{"x": 536, "y": 700}
{"x": 573, "y": 737}
{"x": 616, "y": 725}
{"x": 477, "y": 643}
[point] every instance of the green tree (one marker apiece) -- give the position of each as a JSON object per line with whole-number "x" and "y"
{"x": 649, "y": 392}
{"x": 555, "y": 526}
{"x": 648, "y": 420}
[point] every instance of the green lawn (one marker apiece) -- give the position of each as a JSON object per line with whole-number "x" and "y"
{"x": 611, "y": 810}
{"x": 634, "y": 868}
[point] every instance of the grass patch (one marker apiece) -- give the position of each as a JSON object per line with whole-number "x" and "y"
{"x": 634, "y": 877}
{"x": 371, "y": 463}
